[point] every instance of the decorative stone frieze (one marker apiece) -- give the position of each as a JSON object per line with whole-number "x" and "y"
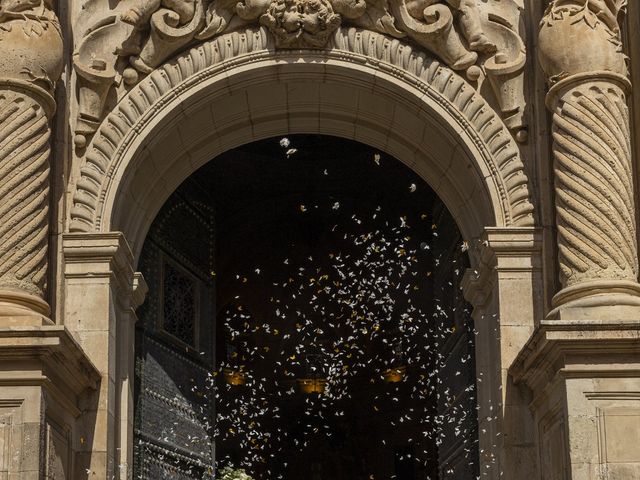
{"x": 126, "y": 43}
{"x": 30, "y": 64}
{"x": 592, "y": 152}
{"x": 120, "y": 129}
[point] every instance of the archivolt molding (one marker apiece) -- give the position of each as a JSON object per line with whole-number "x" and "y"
{"x": 125, "y": 43}
{"x": 443, "y": 86}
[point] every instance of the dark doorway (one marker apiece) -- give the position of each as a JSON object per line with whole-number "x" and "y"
{"x": 305, "y": 320}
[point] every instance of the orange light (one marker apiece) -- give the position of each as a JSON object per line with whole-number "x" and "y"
{"x": 312, "y": 385}
{"x": 234, "y": 376}
{"x": 394, "y": 375}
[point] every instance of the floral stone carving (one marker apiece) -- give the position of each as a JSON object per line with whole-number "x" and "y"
{"x": 592, "y": 151}
{"x": 480, "y": 38}
{"x": 31, "y": 63}
{"x": 301, "y": 23}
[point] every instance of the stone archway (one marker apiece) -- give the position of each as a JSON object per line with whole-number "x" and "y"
{"x": 408, "y": 104}
{"x": 365, "y": 87}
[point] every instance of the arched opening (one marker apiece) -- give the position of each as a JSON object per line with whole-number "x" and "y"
{"x": 305, "y": 320}
{"x": 237, "y": 89}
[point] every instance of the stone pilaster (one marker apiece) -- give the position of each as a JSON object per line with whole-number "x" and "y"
{"x": 30, "y": 64}
{"x": 102, "y": 292}
{"x": 505, "y": 289}
{"x": 581, "y": 55}
{"x": 585, "y": 398}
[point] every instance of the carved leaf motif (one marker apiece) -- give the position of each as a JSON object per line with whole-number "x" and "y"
{"x": 217, "y": 17}
{"x": 378, "y": 17}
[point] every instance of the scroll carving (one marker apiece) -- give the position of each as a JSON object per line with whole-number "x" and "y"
{"x": 480, "y": 38}
{"x": 592, "y": 152}
{"x": 30, "y": 65}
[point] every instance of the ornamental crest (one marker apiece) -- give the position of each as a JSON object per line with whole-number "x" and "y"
{"x": 301, "y": 23}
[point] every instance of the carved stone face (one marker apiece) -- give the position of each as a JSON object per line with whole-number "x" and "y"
{"x": 301, "y": 23}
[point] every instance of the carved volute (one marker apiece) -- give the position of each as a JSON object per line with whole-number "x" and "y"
{"x": 30, "y": 64}
{"x": 592, "y": 152}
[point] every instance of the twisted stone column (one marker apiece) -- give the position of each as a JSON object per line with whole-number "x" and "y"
{"x": 581, "y": 54}
{"x": 31, "y": 62}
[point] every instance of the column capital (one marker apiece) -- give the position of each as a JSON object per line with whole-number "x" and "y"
{"x": 591, "y": 24}
{"x": 32, "y": 56}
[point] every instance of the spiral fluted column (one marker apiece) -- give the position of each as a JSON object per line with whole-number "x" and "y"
{"x": 31, "y": 63}
{"x": 595, "y": 208}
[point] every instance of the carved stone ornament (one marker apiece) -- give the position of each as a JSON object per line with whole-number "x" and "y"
{"x": 301, "y": 23}
{"x": 592, "y": 150}
{"x": 30, "y": 64}
{"x": 478, "y": 37}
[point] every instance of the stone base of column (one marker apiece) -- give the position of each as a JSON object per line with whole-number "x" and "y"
{"x": 585, "y": 380}
{"x": 43, "y": 381}
{"x": 598, "y": 300}
{"x": 22, "y": 309}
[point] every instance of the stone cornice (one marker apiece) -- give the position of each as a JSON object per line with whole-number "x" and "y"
{"x": 61, "y": 367}
{"x": 577, "y": 349}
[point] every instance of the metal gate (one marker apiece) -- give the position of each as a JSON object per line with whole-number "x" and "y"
{"x": 175, "y": 338}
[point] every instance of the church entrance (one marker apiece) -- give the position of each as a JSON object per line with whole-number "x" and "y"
{"x": 305, "y": 320}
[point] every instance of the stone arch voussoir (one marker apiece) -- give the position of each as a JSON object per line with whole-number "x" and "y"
{"x": 441, "y": 85}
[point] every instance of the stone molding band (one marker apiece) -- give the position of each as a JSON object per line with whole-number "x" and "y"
{"x": 445, "y": 87}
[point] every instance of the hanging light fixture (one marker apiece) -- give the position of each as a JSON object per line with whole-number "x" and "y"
{"x": 394, "y": 374}
{"x": 313, "y": 381}
{"x": 312, "y": 385}
{"x": 234, "y": 376}
{"x": 397, "y": 370}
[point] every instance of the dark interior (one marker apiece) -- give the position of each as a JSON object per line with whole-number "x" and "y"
{"x": 305, "y": 259}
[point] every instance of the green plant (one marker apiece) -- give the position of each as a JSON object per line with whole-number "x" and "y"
{"x": 230, "y": 473}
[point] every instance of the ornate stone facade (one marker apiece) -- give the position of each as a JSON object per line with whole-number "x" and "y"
{"x": 455, "y": 89}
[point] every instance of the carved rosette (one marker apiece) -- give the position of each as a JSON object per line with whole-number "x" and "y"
{"x": 31, "y": 63}
{"x": 592, "y": 151}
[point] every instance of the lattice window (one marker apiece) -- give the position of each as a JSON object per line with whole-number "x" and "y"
{"x": 179, "y": 303}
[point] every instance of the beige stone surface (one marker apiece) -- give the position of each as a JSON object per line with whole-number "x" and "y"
{"x": 153, "y": 90}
